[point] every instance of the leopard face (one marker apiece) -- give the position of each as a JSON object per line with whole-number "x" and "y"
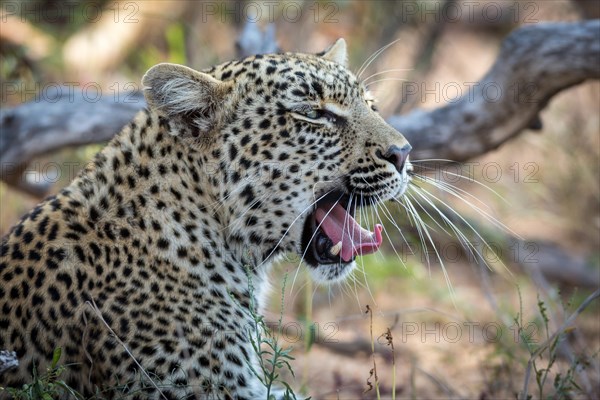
{"x": 300, "y": 147}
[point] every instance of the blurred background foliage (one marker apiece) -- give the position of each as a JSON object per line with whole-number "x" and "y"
{"x": 549, "y": 180}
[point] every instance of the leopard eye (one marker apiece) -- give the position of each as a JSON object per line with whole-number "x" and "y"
{"x": 312, "y": 114}
{"x": 316, "y": 114}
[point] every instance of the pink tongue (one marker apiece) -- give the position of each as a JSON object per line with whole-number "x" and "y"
{"x": 339, "y": 226}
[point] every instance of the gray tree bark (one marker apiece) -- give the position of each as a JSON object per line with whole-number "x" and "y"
{"x": 535, "y": 63}
{"x": 37, "y": 128}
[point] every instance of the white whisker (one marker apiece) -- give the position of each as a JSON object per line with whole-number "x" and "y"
{"x": 448, "y": 187}
{"x": 386, "y": 80}
{"x": 386, "y": 71}
{"x": 390, "y": 218}
{"x": 386, "y": 233}
{"x": 459, "y": 234}
{"x": 468, "y": 178}
{"x": 484, "y": 242}
{"x": 313, "y": 236}
{"x": 293, "y": 222}
{"x": 362, "y": 261}
{"x": 444, "y": 271}
{"x": 479, "y": 210}
{"x": 374, "y": 56}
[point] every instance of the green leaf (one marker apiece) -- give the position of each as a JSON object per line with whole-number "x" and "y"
{"x": 56, "y": 357}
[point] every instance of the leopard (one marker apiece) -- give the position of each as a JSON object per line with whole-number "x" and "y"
{"x": 154, "y": 259}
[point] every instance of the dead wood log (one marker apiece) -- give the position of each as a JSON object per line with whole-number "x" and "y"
{"x": 535, "y": 63}
{"x": 37, "y": 128}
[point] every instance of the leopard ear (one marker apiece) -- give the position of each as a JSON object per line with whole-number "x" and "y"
{"x": 337, "y": 52}
{"x": 187, "y": 97}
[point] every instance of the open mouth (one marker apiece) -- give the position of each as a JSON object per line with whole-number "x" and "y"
{"x": 332, "y": 236}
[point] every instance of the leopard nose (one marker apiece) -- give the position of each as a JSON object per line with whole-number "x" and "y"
{"x": 396, "y": 155}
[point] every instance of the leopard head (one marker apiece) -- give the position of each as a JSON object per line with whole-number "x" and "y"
{"x": 299, "y": 145}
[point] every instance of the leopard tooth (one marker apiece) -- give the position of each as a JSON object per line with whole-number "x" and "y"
{"x": 335, "y": 250}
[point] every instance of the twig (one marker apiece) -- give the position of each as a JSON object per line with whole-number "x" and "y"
{"x": 373, "y": 372}
{"x": 390, "y": 342}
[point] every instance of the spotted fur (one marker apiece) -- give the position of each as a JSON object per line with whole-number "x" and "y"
{"x": 159, "y": 239}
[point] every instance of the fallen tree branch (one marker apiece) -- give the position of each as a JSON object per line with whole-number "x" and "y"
{"x": 535, "y": 63}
